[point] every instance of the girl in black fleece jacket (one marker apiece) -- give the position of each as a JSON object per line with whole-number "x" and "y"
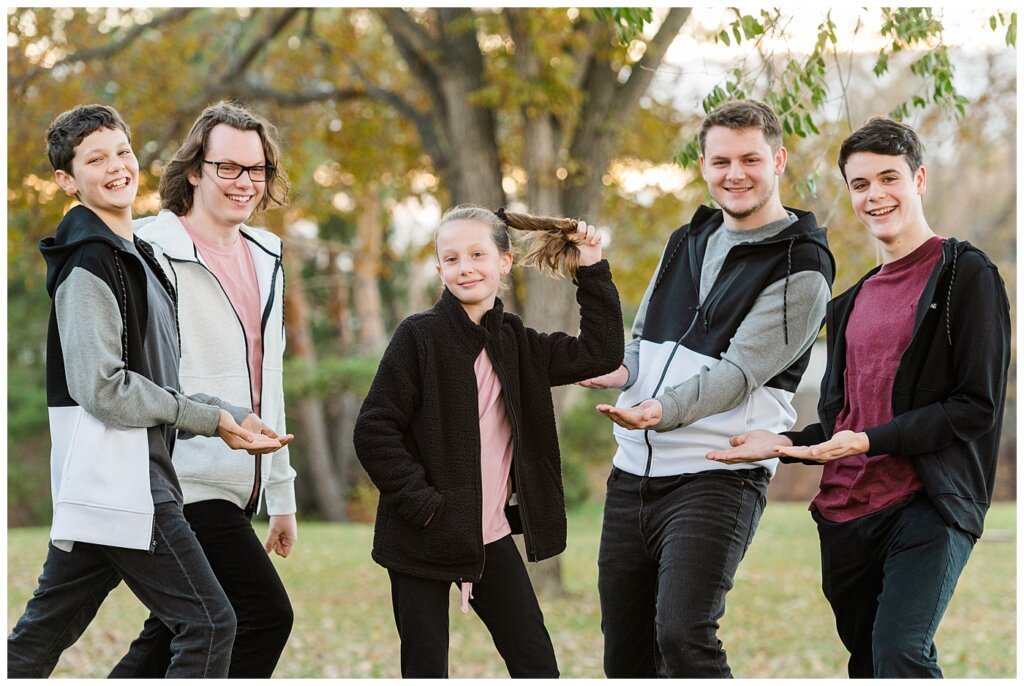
{"x": 458, "y": 433}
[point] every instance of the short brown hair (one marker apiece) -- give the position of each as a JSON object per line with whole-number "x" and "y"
{"x": 883, "y": 136}
{"x": 69, "y": 129}
{"x": 744, "y": 114}
{"x": 176, "y": 193}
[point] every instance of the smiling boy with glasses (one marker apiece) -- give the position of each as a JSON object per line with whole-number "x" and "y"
{"x": 230, "y": 287}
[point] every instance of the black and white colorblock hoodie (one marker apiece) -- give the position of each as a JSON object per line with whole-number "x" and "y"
{"x": 731, "y": 361}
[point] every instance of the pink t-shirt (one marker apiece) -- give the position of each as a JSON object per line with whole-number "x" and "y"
{"x": 878, "y": 333}
{"x": 495, "y": 449}
{"x": 233, "y": 267}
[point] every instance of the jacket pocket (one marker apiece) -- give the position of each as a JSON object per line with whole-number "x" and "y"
{"x": 450, "y": 538}
{"x": 100, "y": 482}
{"x": 105, "y": 467}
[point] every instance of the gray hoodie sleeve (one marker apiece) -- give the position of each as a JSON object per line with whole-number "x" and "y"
{"x": 89, "y": 321}
{"x": 756, "y": 353}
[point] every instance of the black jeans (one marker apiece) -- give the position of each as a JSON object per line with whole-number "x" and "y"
{"x": 503, "y": 599}
{"x": 252, "y": 585}
{"x": 175, "y": 582}
{"x": 670, "y": 547}
{"x": 889, "y": 577}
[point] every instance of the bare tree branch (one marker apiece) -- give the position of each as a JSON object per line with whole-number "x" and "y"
{"x": 629, "y": 93}
{"x": 403, "y": 27}
{"x": 260, "y": 44}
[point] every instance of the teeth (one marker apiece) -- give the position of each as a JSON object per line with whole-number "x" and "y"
{"x": 879, "y": 213}
{"x": 120, "y": 183}
{"x": 239, "y": 198}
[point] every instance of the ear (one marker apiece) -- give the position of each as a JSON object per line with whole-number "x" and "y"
{"x": 702, "y": 168}
{"x": 66, "y": 182}
{"x": 781, "y": 156}
{"x": 193, "y": 179}
{"x": 438, "y": 268}
{"x": 504, "y": 263}
{"x": 920, "y": 180}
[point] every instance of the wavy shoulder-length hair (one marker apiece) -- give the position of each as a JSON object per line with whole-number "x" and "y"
{"x": 177, "y": 193}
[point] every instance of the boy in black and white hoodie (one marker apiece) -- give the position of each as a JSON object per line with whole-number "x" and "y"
{"x": 114, "y": 404}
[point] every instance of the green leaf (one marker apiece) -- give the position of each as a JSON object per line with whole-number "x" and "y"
{"x": 810, "y": 124}
{"x": 881, "y": 64}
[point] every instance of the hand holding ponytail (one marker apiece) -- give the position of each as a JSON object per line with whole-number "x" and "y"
{"x": 557, "y": 244}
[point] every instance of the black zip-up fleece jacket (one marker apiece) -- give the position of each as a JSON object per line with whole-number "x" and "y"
{"x": 418, "y": 431}
{"x": 950, "y": 387}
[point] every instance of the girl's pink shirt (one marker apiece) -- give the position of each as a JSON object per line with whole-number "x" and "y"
{"x": 495, "y": 449}
{"x": 233, "y": 267}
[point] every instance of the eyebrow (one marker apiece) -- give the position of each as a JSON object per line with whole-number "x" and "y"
{"x": 881, "y": 173}
{"x": 752, "y": 153}
{"x": 91, "y": 151}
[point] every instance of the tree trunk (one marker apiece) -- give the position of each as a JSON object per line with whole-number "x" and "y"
{"x": 369, "y": 250}
{"x": 470, "y": 129}
{"x": 339, "y": 304}
{"x": 311, "y": 436}
{"x": 540, "y": 156}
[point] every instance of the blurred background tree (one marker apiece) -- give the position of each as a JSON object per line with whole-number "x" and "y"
{"x": 387, "y": 116}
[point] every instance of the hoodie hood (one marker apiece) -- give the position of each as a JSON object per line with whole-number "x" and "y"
{"x": 706, "y": 219}
{"x": 79, "y": 226}
{"x": 805, "y": 228}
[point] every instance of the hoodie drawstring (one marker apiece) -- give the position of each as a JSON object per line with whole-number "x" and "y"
{"x": 949, "y": 297}
{"x": 124, "y": 310}
{"x": 785, "y": 290}
{"x": 665, "y": 266}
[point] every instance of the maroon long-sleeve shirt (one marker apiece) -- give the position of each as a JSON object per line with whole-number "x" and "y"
{"x": 879, "y": 331}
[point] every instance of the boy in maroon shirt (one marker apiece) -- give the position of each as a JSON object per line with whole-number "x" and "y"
{"x": 909, "y": 417}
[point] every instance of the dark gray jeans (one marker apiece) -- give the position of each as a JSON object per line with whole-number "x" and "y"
{"x": 251, "y": 583}
{"x": 670, "y": 547}
{"x": 175, "y": 582}
{"x": 889, "y": 577}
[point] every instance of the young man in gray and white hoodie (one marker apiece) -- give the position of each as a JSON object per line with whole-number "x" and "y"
{"x": 114, "y": 405}
{"x": 720, "y": 341}
{"x": 230, "y": 287}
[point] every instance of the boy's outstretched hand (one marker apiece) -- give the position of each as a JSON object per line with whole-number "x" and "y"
{"x": 253, "y": 437}
{"x": 642, "y": 416}
{"x": 616, "y": 379}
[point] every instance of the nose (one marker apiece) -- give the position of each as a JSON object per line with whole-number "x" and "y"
{"x": 735, "y": 171}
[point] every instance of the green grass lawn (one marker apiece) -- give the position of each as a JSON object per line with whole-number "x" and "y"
{"x": 777, "y": 623}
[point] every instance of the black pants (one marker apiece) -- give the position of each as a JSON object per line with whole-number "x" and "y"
{"x": 670, "y": 547}
{"x": 175, "y": 582}
{"x": 889, "y": 577}
{"x": 503, "y": 599}
{"x": 252, "y": 586}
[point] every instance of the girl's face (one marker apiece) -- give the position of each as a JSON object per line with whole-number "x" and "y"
{"x": 470, "y": 264}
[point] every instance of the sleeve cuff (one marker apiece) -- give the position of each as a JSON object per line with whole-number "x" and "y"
{"x": 196, "y": 418}
{"x": 280, "y": 498}
{"x": 669, "y": 414}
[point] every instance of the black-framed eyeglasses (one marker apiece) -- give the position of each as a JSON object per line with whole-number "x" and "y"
{"x": 230, "y": 170}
